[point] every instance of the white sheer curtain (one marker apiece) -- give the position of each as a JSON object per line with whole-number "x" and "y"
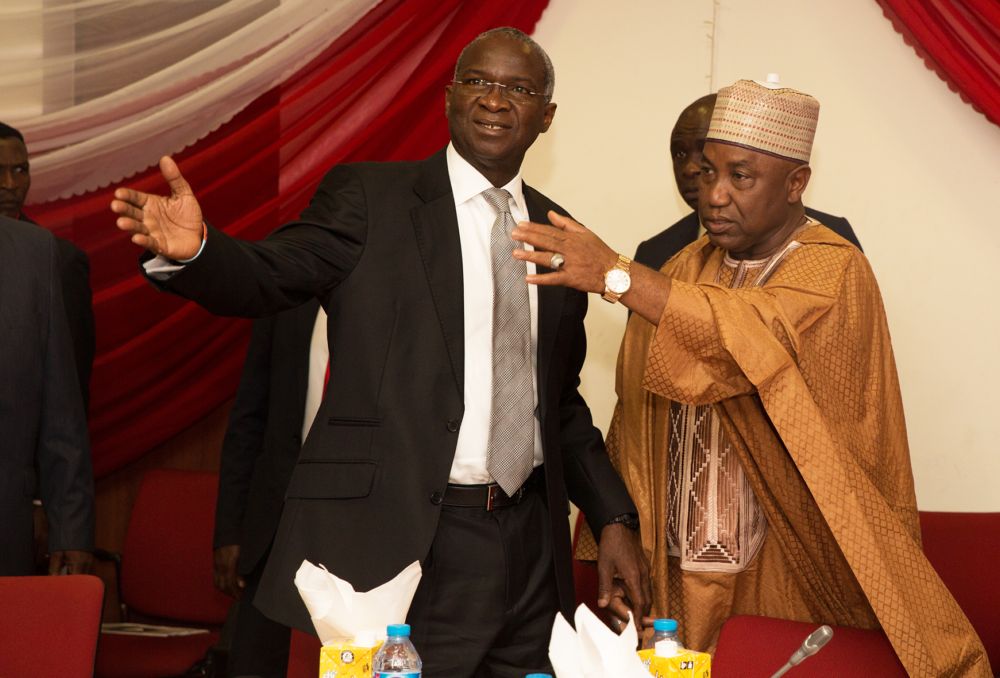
{"x": 122, "y": 82}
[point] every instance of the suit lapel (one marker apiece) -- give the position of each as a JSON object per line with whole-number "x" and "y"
{"x": 436, "y": 227}
{"x": 550, "y": 301}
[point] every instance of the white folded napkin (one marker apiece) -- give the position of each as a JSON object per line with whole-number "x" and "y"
{"x": 343, "y": 615}
{"x": 593, "y": 650}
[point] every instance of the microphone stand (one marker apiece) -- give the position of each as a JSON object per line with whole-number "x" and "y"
{"x": 810, "y": 646}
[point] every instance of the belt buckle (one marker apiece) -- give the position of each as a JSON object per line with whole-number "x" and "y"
{"x": 494, "y": 490}
{"x": 490, "y": 495}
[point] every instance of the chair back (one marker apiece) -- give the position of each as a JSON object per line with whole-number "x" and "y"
{"x": 49, "y": 625}
{"x": 303, "y": 655}
{"x": 964, "y": 548}
{"x": 752, "y": 647}
{"x": 167, "y": 554}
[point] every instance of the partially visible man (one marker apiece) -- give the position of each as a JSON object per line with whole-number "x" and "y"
{"x": 277, "y": 401}
{"x": 759, "y": 423}
{"x": 686, "y": 141}
{"x": 42, "y": 424}
{"x": 74, "y": 267}
{"x": 452, "y": 431}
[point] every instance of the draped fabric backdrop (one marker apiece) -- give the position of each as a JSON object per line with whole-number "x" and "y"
{"x": 257, "y": 99}
{"x": 957, "y": 39}
{"x": 261, "y": 110}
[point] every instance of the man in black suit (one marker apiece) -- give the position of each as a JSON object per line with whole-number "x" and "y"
{"x": 74, "y": 267}
{"x": 259, "y": 453}
{"x": 686, "y": 141}
{"x": 398, "y": 465}
{"x": 42, "y": 424}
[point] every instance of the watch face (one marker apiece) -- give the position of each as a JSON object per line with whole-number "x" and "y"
{"x": 618, "y": 281}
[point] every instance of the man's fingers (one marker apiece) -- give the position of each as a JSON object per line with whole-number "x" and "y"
{"x": 127, "y": 210}
{"x": 619, "y": 610}
{"x": 539, "y": 236}
{"x": 640, "y": 592}
{"x": 605, "y": 583}
{"x": 146, "y": 242}
{"x": 537, "y": 257}
{"x": 565, "y": 223}
{"x": 172, "y": 174}
{"x": 130, "y": 196}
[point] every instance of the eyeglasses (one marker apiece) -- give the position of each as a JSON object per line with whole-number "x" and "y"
{"x": 479, "y": 87}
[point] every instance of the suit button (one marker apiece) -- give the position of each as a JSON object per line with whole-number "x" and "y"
{"x": 437, "y": 496}
{"x": 453, "y": 425}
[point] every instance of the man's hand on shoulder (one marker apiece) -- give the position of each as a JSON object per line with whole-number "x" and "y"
{"x": 623, "y": 575}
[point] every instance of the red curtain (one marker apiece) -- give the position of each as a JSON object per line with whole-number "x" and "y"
{"x": 957, "y": 39}
{"x": 376, "y": 93}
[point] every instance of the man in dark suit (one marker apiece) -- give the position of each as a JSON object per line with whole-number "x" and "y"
{"x": 686, "y": 141}
{"x": 403, "y": 462}
{"x": 259, "y": 453}
{"x": 42, "y": 423}
{"x": 74, "y": 267}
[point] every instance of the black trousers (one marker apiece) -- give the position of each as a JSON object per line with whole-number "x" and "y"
{"x": 487, "y": 599}
{"x": 259, "y": 645}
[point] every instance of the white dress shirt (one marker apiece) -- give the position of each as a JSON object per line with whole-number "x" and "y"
{"x": 319, "y": 358}
{"x": 475, "y": 222}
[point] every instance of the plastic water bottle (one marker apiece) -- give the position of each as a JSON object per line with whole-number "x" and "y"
{"x": 397, "y": 658}
{"x": 665, "y": 632}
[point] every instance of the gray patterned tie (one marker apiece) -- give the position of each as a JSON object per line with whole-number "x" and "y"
{"x": 510, "y": 456}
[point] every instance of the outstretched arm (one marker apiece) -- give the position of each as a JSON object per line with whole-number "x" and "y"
{"x": 171, "y": 226}
{"x": 587, "y": 259}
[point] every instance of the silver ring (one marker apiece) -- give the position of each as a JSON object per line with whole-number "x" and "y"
{"x": 557, "y": 261}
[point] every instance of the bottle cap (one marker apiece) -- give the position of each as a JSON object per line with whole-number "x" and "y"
{"x": 539, "y": 675}
{"x": 398, "y": 630}
{"x": 665, "y": 625}
{"x": 666, "y": 648}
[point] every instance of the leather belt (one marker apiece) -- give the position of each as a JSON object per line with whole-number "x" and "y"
{"x": 489, "y": 497}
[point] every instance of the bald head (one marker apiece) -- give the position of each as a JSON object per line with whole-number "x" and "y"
{"x": 686, "y": 141}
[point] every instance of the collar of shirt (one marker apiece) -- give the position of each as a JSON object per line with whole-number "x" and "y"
{"x": 467, "y": 183}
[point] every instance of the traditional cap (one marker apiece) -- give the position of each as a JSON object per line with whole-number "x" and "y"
{"x": 766, "y": 118}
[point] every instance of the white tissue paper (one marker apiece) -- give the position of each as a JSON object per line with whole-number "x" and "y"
{"x": 343, "y": 615}
{"x": 593, "y": 650}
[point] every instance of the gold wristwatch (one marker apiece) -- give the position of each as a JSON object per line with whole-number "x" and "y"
{"x": 617, "y": 280}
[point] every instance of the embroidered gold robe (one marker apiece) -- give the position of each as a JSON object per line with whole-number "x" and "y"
{"x": 801, "y": 376}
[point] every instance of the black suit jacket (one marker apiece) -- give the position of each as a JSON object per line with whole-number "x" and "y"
{"x": 264, "y": 435}
{"x": 661, "y": 247}
{"x": 74, "y": 272}
{"x": 42, "y": 424}
{"x": 379, "y": 245}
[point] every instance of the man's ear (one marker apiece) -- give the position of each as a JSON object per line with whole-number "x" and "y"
{"x": 797, "y": 181}
{"x": 550, "y": 112}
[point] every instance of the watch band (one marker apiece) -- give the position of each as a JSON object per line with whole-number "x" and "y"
{"x": 623, "y": 264}
{"x": 629, "y": 520}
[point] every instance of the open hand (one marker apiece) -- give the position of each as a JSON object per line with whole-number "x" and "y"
{"x": 168, "y": 225}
